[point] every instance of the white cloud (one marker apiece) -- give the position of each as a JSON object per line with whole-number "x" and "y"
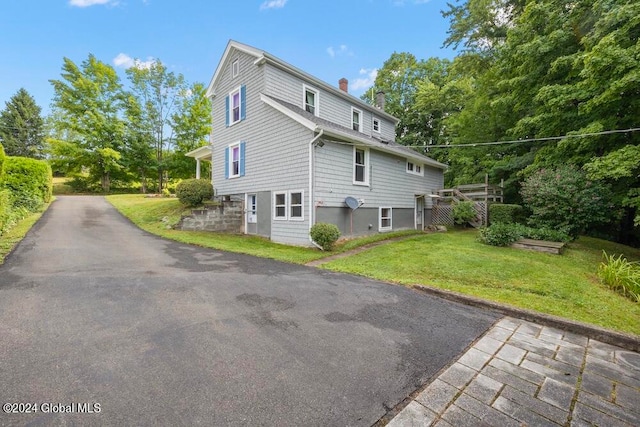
{"x": 125, "y": 61}
{"x": 343, "y": 49}
{"x": 273, "y": 4}
{"x": 87, "y": 3}
{"x": 366, "y": 79}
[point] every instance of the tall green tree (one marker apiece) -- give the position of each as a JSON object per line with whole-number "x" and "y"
{"x": 400, "y": 78}
{"x": 158, "y": 91}
{"x": 192, "y": 127}
{"x": 88, "y": 100}
{"x": 22, "y": 127}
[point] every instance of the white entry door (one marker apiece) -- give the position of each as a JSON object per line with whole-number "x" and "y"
{"x": 252, "y": 213}
{"x": 419, "y": 212}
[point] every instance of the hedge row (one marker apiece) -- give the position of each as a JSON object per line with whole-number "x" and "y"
{"x": 25, "y": 184}
{"x": 506, "y": 213}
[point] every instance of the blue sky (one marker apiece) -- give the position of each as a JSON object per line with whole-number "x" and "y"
{"x": 329, "y": 39}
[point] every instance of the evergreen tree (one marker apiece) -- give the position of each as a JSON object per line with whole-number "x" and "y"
{"x": 22, "y": 127}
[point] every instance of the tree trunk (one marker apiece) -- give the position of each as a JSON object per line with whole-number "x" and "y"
{"x": 105, "y": 181}
{"x": 143, "y": 181}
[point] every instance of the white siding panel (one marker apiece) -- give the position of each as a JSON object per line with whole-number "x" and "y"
{"x": 277, "y": 148}
{"x": 391, "y": 185}
{"x": 282, "y": 85}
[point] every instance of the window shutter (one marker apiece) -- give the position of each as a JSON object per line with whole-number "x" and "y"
{"x": 226, "y": 114}
{"x": 242, "y": 157}
{"x": 243, "y": 102}
{"x": 226, "y": 162}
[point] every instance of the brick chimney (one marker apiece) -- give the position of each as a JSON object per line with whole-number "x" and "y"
{"x": 344, "y": 84}
{"x": 380, "y": 100}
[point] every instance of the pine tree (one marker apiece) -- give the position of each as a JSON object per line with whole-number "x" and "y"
{"x": 22, "y": 127}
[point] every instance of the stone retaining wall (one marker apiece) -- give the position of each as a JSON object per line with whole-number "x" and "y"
{"x": 225, "y": 218}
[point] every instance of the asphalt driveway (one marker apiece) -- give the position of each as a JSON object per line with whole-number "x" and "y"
{"x": 94, "y": 310}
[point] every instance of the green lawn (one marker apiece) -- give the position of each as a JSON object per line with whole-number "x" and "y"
{"x": 148, "y": 214}
{"x": 564, "y": 285}
{"x": 12, "y": 237}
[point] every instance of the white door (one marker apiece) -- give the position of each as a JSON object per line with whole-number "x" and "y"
{"x": 419, "y": 212}
{"x": 252, "y": 214}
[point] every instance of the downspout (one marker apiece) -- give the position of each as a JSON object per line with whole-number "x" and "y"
{"x": 311, "y": 187}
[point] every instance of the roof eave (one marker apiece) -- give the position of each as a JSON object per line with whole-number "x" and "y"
{"x": 417, "y": 158}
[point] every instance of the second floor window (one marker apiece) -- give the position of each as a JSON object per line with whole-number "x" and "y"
{"x": 310, "y": 100}
{"x": 356, "y": 117}
{"x": 236, "y": 106}
{"x": 376, "y": 124}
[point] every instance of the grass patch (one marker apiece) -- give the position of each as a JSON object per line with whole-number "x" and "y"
{"x": 12, "y": 237}
{"x": 61, "y": 185}
{"x": 157, "y": 215}
{"x": 565, "y": 286}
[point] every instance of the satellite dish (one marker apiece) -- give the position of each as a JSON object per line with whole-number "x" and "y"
{"x": 352, "y": 202}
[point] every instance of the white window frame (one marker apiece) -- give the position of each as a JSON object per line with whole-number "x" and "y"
{"x": 275, "y": 206}
{"x": 288, "y": 205}
{"x": 291, "y": 205}
{"x": 235, "y": 68}
{"x": 316, "y": 108}
{"x": 231, "y": 148}
{"x": 366, "y": 166}
{"x": 380, "y": 218}
{"x": 416, "y": 168}
{"x": 233, "y": 92}
{"x": 373, "y": 125}
{"x": 355, "y": 110}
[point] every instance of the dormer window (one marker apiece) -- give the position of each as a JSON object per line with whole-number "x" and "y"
{"x": 356, "y": 119}
{"x": 310, "y": 100}
{"x": 376, "y": 125}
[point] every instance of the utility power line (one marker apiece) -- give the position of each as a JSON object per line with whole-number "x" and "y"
{"x": 515, "y": 141}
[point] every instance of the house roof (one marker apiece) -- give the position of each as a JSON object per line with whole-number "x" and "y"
{"x": 262, "y": 57}
{"x": 343, "y": 133}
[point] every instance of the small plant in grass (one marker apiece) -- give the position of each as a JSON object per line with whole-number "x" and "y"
{"x": 621, "y": 275}
{"x": 326, "y": 235}
{"x": 192, "y": 192}
{"x": 463, "y": 212}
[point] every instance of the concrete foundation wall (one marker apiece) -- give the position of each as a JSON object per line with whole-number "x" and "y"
{"x": 228, "y": 217}
{"x": 365, "y": 220}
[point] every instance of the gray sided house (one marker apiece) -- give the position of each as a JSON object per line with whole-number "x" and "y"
{"x": 299, "y": 151}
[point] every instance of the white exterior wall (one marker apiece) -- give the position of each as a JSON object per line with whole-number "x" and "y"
{"x": 390, "y": 184}
{"x": 276, "y": 150}
{"x": 287, "y": 87}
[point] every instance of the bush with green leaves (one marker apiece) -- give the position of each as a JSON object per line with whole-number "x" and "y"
{"x": 192, "y": 192}
{"x": 505, "y": 213}
{"x": 620, "y": 275}
{"x": 504, "y": 234}
{"x": 463, "y": 212}
{"x": 325, "y": 235}
{"x": 565, "y": 199}
{"x": 500, "y": 234}
{"x": 29, "y": 181}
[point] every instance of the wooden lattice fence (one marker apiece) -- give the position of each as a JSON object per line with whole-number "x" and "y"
{"x": 443, "y": 214}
